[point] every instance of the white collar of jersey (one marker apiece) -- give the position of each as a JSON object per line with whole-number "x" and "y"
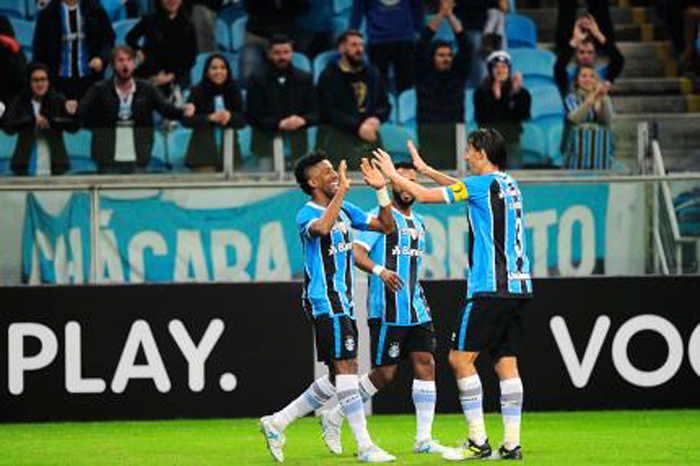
{"x": 316, "y": 206}
{"x": 402, "y": 214}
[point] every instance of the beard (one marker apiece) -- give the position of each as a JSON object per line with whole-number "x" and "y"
{"x": 403, "y": 200}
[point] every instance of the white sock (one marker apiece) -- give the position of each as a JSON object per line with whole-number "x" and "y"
{"x": 313, "y": 398}
{"x": 367, "y": 391}
{"x": 511, "y": 409}
{"x": 347, "y": 388}
{"x": 470, "y": 396}
{"x": 424, "y": 398}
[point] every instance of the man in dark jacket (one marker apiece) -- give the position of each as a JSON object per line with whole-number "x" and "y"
{"x": 12, "y": 62}
{"x": 353, "y": 102}
{"x": 119, "y": 112}
{"x": 281, "y": 100}
{"x": 440, "y": 90}
{"x": 73, "y": 38}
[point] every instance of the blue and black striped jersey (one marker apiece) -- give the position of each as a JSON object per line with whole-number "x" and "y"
{"x": 498, "y": 264}
{"x": 402, "y": 252}
{"x": 329, "y": 261}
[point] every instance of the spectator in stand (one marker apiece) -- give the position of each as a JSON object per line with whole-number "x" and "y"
{"x": 392, "y": 29}
{"x": 12, "y": 62}
{"x": 281, "y": 100}
{"x": 583, "y": 48}
{"x": 39, "y": 115}
{"x": 266, "y": 18}
{"x": 691, "y": 17}
{"x": 566, "y": 19}
{"x": 169, "y": 48}
{"x": 119, "y": 111}
{"x": 353, "y": 102}
{"x": 589, "y": 114}
{"x": 203, "y": 14}
{"x": 73, "y": 38}
{"x": 313, "y": 29}
{"x": 473, "y": 14}
{"x": 502, "y": 103}
{"x": 441, "y": 77}
{"x": 494, "y": 37}
{"x": 219, "y": 105}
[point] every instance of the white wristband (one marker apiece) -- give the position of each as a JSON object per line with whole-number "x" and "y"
{"x": 383, "y": 197}
{"x": 378, "y": 269}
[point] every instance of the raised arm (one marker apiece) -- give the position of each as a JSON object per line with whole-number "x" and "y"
{"x": 373, "y": 177}
{"x": 421, "y": 193}
{"x": 364, "y": 263}
{"x": 323, "y": 225}
{"x": 423, "y": 168}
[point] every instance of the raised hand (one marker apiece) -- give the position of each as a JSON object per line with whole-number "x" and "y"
{"x": 418, "y": 162}
{"x": 392, "y": 280}
{"x": 344, "y": 181}
{"x": 384, "y": 162}
{"x": 373, "y": 177}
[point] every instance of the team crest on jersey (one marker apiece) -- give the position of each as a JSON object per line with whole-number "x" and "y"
{"x": 394, "y": 350}
{"x": 350, "y": 344}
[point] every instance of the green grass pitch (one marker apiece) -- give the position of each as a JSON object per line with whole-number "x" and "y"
{"x": 561, "y": 438}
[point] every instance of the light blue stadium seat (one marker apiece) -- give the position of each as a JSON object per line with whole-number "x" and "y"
{"x": 115, "y": 9}
{"x": 341, "y": 7}
{"x": 521, "y": 31}
{"x": 238, "y": 33}
{"x": 444, "y": 31}
{"x": 311, "y": 135}
{"x": 407, "y": 108}
{"x": 177, "y": 143}
{"x": 198, "y": 68}
{"x": 159, "y": 161}
{"x": 13, "y": 8}
{"x": 223, "y": 35}
{"x": 533, "y": 144}
{"x": 231, "y": 12}
{"x": 78, "y": 148}
{"x": 469, "y": 120}
{"x": 536, "y": 66}
{"x": 245, "y": 135}
{"x": 7, "y": 147}
{"x": 547, "y": 106}
{"x": 320, "y": 62}
{"x": 301, "y": 61}
{"x": 340, "y": 24}
{"x": 555, "y": 132}
{"x": 24, "y": 32}
{"x": 122, "y": 28}
{"x": 394, "y": 139}
{"x": 394, "y": 113}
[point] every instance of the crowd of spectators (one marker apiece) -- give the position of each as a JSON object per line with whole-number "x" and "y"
{"x": 114, "y": 91}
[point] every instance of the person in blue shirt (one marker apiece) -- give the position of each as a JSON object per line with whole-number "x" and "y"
{"x": 325, "y": 224}
{"x": 499, "y": 283}
{"x": 399, "y": 317}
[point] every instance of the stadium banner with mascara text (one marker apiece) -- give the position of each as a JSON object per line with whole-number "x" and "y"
{"x": 570, "y": 231}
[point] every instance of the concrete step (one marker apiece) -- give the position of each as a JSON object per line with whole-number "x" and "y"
{"x": 654, "y": 104}
{"x": 547, "y": 17}
{"x": 646, "y": 86}
{"x": 677, "y": 131}
{"x": 631, "y": 50}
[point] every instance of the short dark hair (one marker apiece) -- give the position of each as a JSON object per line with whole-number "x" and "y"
{"x": 122, "y": 48}
{"x": 440, "y": 43}
{"x": 302, "y": 167}
{"x": 278, "y": 39}
{"x": 349, "y": 33}
{"x": 405, "y": 164}
{"x": 492, "y": 143}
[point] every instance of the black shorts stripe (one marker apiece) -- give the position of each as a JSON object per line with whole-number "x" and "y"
{"x": 325, "y": 243}
{"x": 413, "y": 272}
{"x": 390, "y": 261}
{"x": 498, "y": 225}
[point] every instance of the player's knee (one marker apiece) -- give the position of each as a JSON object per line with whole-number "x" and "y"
{"x": 461, "y": 363}
{"x": 384, "y": 375}
{"x": 346, "y": 366}
{"x": 424, "y": 367}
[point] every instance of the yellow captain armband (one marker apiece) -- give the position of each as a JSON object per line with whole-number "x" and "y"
{"x": 459, "y": 191}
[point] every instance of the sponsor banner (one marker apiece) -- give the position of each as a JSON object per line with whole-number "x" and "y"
{"x": 590, "y": 343}
{"x": 148, "y": 352}
{"x": 156, "y": 240}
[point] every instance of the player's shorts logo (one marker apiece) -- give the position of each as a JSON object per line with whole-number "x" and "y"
{"x": 350, "y": 344}
{"x": 394, "y": 350}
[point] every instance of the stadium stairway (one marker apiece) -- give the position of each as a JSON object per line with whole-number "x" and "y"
{"x": 650, "y": 88}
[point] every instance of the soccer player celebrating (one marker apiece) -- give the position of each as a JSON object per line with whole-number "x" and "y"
{"x": 499, "y": 283}
{"x": 399, "y": 316}
{"x": 325, "y": 227}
